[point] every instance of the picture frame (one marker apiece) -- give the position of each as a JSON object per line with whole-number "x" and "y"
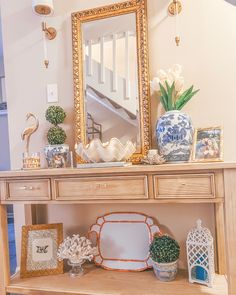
{"x": 208, "y": 144}
{"x": 39, "y": 247}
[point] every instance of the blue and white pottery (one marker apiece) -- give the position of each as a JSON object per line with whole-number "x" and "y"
{"x": 57, "y": 155}
{"x": 175, "y": 136}
{"x": 165, "y": 272}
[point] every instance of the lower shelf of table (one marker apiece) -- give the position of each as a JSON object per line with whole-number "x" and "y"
{"x": 97, "y": 281}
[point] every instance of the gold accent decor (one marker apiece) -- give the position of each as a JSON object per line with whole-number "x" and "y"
{"x": 78, "y": 18}
{"x": 31, "y": 161}
{"x": 26, "y": 255}
{"x": 46, "y": 63}
{"x": 43, "y": 9}
{"x": 50, "y": 32}
{"x": 175, "y": 7}
{"x": 177, "y": 40}
{"x": 28, "y": 131}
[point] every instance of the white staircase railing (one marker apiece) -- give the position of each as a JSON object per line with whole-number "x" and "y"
{"x": 121, "y": 89}
{"x": 106, "y": 90}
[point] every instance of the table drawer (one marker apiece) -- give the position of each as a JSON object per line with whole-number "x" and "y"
{"x": 99, "y": 188}
{"x": 27, "y": 190}
{"x": 184, "y": 186}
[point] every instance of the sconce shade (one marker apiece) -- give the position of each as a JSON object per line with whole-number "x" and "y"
{"x": 233, "y": 2}
{"x": 43, "y": 7}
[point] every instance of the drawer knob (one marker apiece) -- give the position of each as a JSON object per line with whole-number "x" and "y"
{"x": 27, "y": 188}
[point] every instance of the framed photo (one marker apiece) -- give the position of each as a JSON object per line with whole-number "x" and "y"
{"x": 39, "y": 247}
{"x": 208, "y": 144}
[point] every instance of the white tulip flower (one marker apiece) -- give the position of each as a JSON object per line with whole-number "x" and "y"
{"x": 162, "y": 75}
{"x": 179, "y": 85}
{"x": 171, "y": 87}
{"x": 155, "y": 84}
{"x": 177, "y": 69}
{"x": 173, "y": 75}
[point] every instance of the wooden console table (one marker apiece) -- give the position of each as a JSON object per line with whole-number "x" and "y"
{"x": 185, "y": 183}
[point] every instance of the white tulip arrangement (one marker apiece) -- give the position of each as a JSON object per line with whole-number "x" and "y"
{"x": 170, "y": 84}
{"x": 76, "y": 249}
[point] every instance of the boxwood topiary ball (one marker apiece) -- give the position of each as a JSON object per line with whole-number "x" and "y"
{"x": 55, "y": 115}
{"x": 56, "y": 135}
{"x": 164, "y": 249}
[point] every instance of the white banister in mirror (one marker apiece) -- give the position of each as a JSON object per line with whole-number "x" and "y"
{"x": 114, "y": 76}
{"x": 90, "y": 64}
{"x": 102, "y": 67}
{"x": 127, "y": 66}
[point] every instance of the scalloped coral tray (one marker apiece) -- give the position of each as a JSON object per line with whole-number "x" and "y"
{"x": 123, "y": 241}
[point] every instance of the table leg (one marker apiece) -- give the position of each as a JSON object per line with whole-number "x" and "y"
{"x": 230, "y": 227}
{"x": 4, "y": 251}
{"x": 220, "y": 238}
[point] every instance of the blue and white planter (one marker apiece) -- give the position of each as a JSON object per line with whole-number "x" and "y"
{"x": 175, "y": 136}
{"x": 165, "y": 272}
{"x": 57, "y": 155}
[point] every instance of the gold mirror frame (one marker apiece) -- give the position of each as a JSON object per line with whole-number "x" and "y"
{"x": 139, "y": 7}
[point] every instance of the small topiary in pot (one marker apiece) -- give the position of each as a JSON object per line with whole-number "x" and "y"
{"x": 55, "y": 115}
{"x": 57, "y": 153}
{"x": 164, "y": 252}
{"x": 56, "y": 135}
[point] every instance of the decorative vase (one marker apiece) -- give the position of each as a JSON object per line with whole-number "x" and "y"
{"x": 76, "y": 270}
{"x": 57, "y": 155}
{"x": 165, "y": 272}
{"x": 175, "y": 136}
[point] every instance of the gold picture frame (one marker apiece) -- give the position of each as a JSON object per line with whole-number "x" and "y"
{"x": 139, "y": 7}
{"x": 39, "y": 247}
{"x": 208, "y": 144}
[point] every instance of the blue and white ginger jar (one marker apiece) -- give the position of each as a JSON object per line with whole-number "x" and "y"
{"x": 175, "y": 136}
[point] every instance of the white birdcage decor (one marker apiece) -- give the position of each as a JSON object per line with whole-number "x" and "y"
{"x": 200, "y": 255}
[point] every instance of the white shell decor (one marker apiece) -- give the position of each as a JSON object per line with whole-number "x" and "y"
{"x": 111, "y": 151}
{"x": 76, "y": 249}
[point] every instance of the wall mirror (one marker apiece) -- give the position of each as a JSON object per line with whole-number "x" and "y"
{"x": 111, "y": 80}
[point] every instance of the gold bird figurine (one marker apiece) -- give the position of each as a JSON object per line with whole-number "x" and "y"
{"x": 28, "y": 131}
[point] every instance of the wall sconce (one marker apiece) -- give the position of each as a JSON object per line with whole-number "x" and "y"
{"x": 50, "y": 33}
{"x": 233, "y": 2}
{"x": 174, "y": 9}
{"x": 45, "y": 8}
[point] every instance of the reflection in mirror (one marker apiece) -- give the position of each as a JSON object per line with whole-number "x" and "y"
{"x": 111, "y": 79}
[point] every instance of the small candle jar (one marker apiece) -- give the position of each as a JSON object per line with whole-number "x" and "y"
{"x": 31, "y": 160}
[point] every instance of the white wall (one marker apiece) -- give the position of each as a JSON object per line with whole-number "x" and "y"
{"x": 207, "y": 53}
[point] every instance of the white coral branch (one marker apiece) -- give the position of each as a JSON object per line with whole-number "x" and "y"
{"x": 77, "y": 249}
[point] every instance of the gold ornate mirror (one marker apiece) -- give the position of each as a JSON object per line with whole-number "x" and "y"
{"x": 111, "y": 79}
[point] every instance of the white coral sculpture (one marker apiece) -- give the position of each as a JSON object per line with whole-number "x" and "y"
{"x": 77, "y": 249}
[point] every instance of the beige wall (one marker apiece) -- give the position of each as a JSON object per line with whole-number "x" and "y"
{"x": 207, "y": 53}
